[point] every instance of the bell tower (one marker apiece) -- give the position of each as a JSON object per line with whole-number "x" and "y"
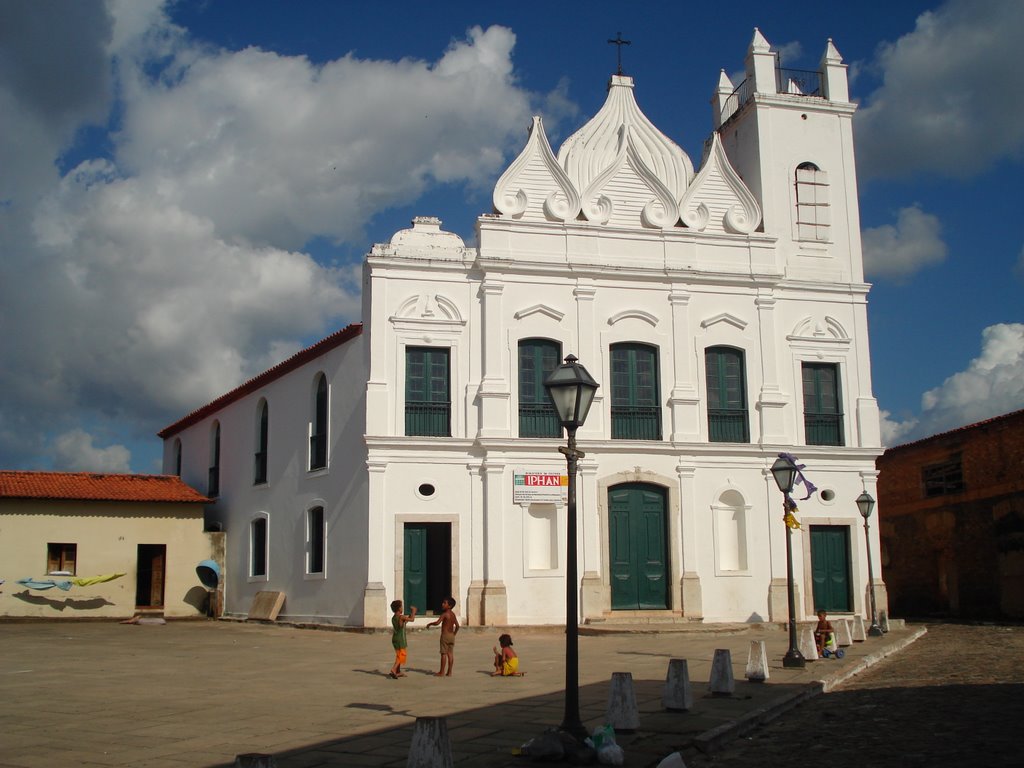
{"x": 789, "y": 135}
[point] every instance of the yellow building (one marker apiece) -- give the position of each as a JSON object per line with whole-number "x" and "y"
{"x": 82, "y": 545}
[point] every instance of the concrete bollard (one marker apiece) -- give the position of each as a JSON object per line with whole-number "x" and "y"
{"x": 623, "y": 713}
{"x": 807, "y": 645}
{"x": 757, "y": 662}
{"x": 859, "y": 635}
{"x": 430, "y": 746}
{"x": 883, "y": 620}
{"x": 255, "y": 760}
{"x": 678, "y": 695}
{"x": 843, "y": 635}
{"x": 722, "y": 682}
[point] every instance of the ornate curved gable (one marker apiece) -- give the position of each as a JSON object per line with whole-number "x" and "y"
{"x": 718, "y": 200}
{"x": 629, "y": 172}
{"x": 535, "y": 186}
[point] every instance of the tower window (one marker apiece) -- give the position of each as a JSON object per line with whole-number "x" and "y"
{"x": 813, "y": 218}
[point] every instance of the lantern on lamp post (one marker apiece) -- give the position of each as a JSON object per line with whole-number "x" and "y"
{"x": 866, "y": 504}
{"x": 785, "y": 471}
{"x": 571, "y": 389}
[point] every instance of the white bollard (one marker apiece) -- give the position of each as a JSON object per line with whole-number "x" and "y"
{"x": 675, "y": 760}
{"x": 859, "y": 635}
{"x": 678, "y": 695}
{"x": 757, "y": 662}
{"x": 722, "y": 682}
{"x": 807, "y": 645}
{"x": 623, "y": 713}
{"x": 430, "y": 746}
{"x": 843, "y": 635}
{"x": 255, "y": 760}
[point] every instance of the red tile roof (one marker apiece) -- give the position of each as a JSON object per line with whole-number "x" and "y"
{"x": 92, "y": 486}
{"x": 302, "y": 357}
{"x": 994, "y": 421}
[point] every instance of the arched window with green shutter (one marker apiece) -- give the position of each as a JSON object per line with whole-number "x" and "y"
{"x": 537, "y": 416}
{"x": 728, "y": 420}
{"x": 428, "y": 406}
{"x": 823, "y": 408}
{"x": 636, "y": 410}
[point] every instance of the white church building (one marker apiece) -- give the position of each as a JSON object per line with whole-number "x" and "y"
{"x": 723, "y": 311}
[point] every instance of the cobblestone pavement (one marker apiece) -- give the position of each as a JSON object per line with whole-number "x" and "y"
{"x": 953, "y": 698}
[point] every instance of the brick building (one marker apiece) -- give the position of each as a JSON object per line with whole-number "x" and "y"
{"x": 951, "y": 522}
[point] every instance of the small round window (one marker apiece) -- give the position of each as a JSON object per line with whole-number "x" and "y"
{"x": 827, "y": 495}
{"x": 426, "y": 490}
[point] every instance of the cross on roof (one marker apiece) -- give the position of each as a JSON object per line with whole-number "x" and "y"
{"x": 619, "y": 42}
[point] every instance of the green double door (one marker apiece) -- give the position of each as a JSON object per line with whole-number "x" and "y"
{"x": 830, "y": 568}
{"x": 638, "y": 547}
{"x": 427, "y": 577}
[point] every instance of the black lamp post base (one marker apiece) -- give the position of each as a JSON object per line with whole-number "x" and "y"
{"x": 577, "y": 730}
{"x": 794, "y": 658}
{"x": 875, "y": 631}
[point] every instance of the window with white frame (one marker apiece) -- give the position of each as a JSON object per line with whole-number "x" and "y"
{"x": 813, "y": 218}
{"x": 315, "y": 540}
{"x": 258, "y": 541}
{"x": 262, "y": 441}
{"x": 318, "y": 425}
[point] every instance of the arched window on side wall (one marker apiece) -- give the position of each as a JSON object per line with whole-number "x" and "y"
{"x": 262, "y": 442}
{"x": 258, "y": 541}
{"x": 315, "y": 540}
{"x": 213, "y": 478}
{"x": 318, "y": 425}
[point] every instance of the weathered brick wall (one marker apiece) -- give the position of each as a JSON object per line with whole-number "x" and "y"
{"x": 958, "y": 553}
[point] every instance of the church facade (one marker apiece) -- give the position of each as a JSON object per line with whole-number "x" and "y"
{"x": 721, "y": 308}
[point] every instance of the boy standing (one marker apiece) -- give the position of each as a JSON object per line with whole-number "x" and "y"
{"x": 398, "y": 639}
{"x": 449, "y": 628}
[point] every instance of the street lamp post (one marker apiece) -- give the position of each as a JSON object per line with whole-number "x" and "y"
{"x": 784, "y": 472}
{"x": 571, "y": 389}
{"x": 866, "y": 504}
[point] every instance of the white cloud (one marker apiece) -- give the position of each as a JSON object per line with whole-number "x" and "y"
{"x": 74, "y": 452}
{"x": 946, "y": 104}
{"x": 991, "y": 385}
{"x": 789, "y": 52}
{"x": 273, "y": 148}
{"x": 168, "y": 269}
{"x": 893, "y": 430}
{"x": 897, "y": 252}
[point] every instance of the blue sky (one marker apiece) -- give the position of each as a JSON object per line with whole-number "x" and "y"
{"x": 187, "y": 188}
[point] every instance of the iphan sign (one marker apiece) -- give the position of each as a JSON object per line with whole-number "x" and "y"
{"x": 539, "y": 486}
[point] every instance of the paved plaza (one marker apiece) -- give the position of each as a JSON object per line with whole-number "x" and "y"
{"x": 199, "y": 693}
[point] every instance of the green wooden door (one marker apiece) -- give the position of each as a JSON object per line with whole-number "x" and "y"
{"x": 638, "y": 547}
{"x": 830, "y": 567}
{"x": 415, "y": 577}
